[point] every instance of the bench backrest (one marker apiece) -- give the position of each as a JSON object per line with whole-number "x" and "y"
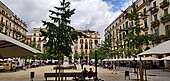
{"x": 65, "y": 74}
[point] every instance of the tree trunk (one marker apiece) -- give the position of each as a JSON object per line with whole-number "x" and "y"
{"x": 141, "y": 70}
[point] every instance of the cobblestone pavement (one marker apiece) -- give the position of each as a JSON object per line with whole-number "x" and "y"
{"x": 104, "y": 74}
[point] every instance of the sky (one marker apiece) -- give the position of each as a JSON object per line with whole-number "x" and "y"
{"x": 89, "y": 14}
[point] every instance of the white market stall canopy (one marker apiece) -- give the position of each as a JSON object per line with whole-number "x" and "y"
{"x": 166, "y": 58}
{"x": 162, "y": 48}
{"x": 150, "y": 58}
{"x": 10, "y": 47}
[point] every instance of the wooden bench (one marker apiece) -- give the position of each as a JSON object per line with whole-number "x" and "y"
{"x": 74, "y": 74}
{"x": 166, "y": 69}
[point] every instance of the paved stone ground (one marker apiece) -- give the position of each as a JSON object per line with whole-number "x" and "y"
{"x": 104, "y": 74}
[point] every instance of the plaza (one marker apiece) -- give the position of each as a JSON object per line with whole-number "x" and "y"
{"x": 133, "y": 47}
{"x": 104, "y": 74}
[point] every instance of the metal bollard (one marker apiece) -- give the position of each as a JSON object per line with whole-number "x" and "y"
{"x": 32, "y": 75}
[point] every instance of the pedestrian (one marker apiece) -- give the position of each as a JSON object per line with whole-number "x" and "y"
{"x": 82, "y": 64}
{"x": 90, "y": 73}
{"x": 75, "y": 67}
{"x": 84, "y": 73}
{"x": 114, "y": 69}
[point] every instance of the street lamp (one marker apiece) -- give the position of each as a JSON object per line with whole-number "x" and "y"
{"x": 96, "y": 62}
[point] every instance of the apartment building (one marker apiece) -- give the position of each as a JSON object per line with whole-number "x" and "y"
{"x": 157, "y": 21}
{"x": 12, "y": 25}
{"x": 36, "y": 38}
{"x": 84, "y": 45}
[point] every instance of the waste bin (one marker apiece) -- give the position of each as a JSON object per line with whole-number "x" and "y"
{"x": 32, "y": 75}
{"x": 127, "y": 74}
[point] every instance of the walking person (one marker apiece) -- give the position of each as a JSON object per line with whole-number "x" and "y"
{"x": 82, "y": 64}
{"x": 114, "y": 69}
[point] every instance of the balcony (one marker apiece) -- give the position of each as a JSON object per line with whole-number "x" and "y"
{"x": 155, "y": 23}
{"x": 166, "y": 18}
{"x": 154, "y": 10}
{"x": 164, "y": 4}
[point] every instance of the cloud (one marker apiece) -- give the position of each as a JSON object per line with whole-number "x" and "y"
{"x": 89, "y": 14}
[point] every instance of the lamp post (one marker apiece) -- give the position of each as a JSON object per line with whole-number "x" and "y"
{"x": 96, "y": 63}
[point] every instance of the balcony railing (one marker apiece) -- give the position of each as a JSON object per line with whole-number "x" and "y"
{"x": 154, "y": 10}
{"x": 164, "y": 4}
{"x": 155, "y": 23}
{"x": 166, "y": 18}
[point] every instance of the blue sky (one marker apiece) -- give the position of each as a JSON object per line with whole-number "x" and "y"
{"x": 117, "y": 4}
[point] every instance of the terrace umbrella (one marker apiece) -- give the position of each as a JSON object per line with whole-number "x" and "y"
{"x": 10, "y": 47}
{"x": 166, "y": 58}
{"x": 150, "y": 58}
{"x": 162, "y": 48}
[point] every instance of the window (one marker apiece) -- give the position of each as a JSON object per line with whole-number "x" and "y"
{"x": 81, "y": 47}
{"x": 75, "y": 51}
{"x": 144, "y": 1}
{"x": 34, "y": 39}
{"x": 91, "y": 46}
{"x": 167, "y": 30}
{"x": 120, "y": 36}
{"x": 86, "y": 51}
{"x": 81, "y": 40}
{"x": 123, "y": 35}
{"x": 157, "y": 32}
{"x": 6, "y": 22}
{"x": 126, "y": 24}
{"x": 166, "y": 12}
{"x": 34, "y": 34}
{"x": 154, "y": 4}
{"x": 86, "y": 46}
{"x": 2, "y": 19}
{"x": 113, "y": 26}
{"x": 117, "y": 31}
{"x": 96, "y": 41}
{"x": 86, "y": 41}
{"x": 144, "y": 11}
{"x": 155, "y": 17}
{"x": 136, "y": 6}
{"x": 92, "y": 42}
{"x": 145, "y": 24}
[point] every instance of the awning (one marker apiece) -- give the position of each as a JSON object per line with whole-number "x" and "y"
{"x": 10, "y": 47}
{"x": 150, "y": 58}
{"x": 166, "y": 58}
{"x": 163, "y": 48}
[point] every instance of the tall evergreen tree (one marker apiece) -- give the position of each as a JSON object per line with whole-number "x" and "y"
{"x": 59, "y": 34}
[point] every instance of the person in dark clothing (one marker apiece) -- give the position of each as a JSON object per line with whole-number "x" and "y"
{"x": 90, "y": 73}
{"x": 84, "y": 73}
{"x": 82, "y": 64}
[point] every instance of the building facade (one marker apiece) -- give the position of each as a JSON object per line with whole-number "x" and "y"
{"x": 157, "y": 21}
{"x": 36, "y": 39}
{"x": 12, "y": 25}
{"x": 84, "y": 45}
{"x": 81, "y": 46}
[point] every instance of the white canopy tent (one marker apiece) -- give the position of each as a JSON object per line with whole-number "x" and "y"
{"x": 163, "y": 48}
{"x": 150, "y": 58}
{"x": 166, "y": 58}
{"x": 10, "y": 47}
